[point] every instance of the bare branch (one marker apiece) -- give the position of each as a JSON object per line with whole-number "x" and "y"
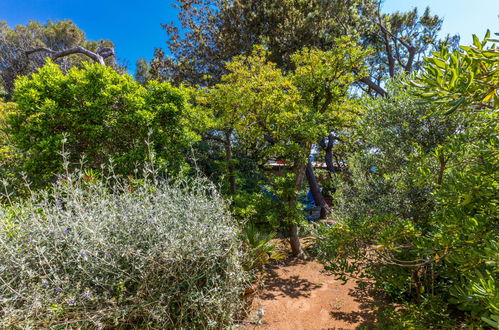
{"x": 106, "y": 52}
{"x": 410, "y": 48}
{"x": 389, "y": 51}
{"x": 40, "y": 49}
{"x": 99, "y": 56}
{"x": 378, "y": 89}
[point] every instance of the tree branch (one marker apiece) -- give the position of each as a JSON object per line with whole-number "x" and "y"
{"x": 210, "y": 136}
{"x": 99, "y": 56}
{"x": 327, "y": 101}
{"x": 410, "y": 48}
{"x": 270, "y": 139}
{"x": 375, "y": 87}
{"x": 410, "y": 60}
{"x": 389, "y": 51}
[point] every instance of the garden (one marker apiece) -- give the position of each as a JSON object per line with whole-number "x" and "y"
{"x": 322, "y": 139}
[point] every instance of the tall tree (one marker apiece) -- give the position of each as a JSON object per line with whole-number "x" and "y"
{"x": 289, "y": 110}
{"x": 400, "y": 41}
{"x": 211, "y": 32}
{"x": 16, "y": 44}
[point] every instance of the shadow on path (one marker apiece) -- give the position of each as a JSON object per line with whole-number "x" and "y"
{"x": 293, "y": 286}
{"x": 365, "y": 317}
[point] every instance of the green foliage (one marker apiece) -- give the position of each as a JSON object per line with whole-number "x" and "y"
{"x": 467, "y": 81}
{"x": 431, "y": 313}
{"x": 100, "y": 114}
{"x": 283, "y": 113}
{"x": 418, "y": 212}
{"x": 259, "y": 246}
{"x": 8, "y": 154}
{"x": 297, "y": 108}
{"x": 210, "y": 33}
{"x": 109, "y": 254}
{"x": 462, "y": 79}
{"x": 59, "y": 35}
{"x": 258, "y": 209}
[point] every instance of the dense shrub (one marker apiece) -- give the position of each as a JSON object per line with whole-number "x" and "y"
{"x": 102, "y": 114}
{"x": 89, "y": 254}
{"x": 419, "y": 211}
{"x": 8, "y": 154}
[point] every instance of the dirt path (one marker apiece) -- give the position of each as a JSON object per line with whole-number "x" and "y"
{"x": 297, "y": 295}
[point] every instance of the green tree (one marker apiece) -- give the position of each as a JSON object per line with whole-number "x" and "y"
{"x": 8, "y": 154}
{"x": 101, "y": 114}
{"x": 466, "y": 82}
{"x": 143, "y": 71}
{"x": 211, "y": 32}
{"x": 57, "y": 36}
{"x": 288, "y": 111}
{"x": 400, "y": 41}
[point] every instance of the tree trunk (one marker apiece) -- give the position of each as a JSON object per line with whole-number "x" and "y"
{"x": 443, "y": 163}
{"x": 328, "y": 158}
{"x": 328, "y": 148}
{"x": 294, "y": 240}
{"x": 315, "y": 189}
{"x": 375, "y": 87}
{"x": 230, "y": 164}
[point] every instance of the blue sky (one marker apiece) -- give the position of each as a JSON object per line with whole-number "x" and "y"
{"x": 134, "y": 25}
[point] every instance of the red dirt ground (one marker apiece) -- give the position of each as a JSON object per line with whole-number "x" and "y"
{"x": 298, "y": 295}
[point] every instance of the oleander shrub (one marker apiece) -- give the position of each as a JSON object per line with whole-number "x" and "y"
{"x": 99, "y": 253}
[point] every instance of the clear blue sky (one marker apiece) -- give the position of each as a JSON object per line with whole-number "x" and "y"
{"x": 134, "y": 25}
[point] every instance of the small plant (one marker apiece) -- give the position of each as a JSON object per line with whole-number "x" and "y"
{"x": 432, "y": 313}
{"x": 259, "y": 246}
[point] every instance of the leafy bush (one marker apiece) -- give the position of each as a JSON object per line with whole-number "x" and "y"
{"x": 423, "y": 224}
{"x": 8, "y": 154}
{"x": 101, "y": 253}
{"x": 102, "y": 114}
{"x": 430, "y": 313}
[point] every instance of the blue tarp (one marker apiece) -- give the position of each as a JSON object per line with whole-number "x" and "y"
{"x": 308, "y": 201}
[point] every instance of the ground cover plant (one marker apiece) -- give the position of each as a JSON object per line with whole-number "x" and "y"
{"x": 98, "y": 253}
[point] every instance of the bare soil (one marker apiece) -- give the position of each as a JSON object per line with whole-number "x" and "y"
{"x": 297, "y": 294}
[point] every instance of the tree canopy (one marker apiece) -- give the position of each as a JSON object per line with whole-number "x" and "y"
{"x": 57, "y": 36}
{"x": 211, "y": 32}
